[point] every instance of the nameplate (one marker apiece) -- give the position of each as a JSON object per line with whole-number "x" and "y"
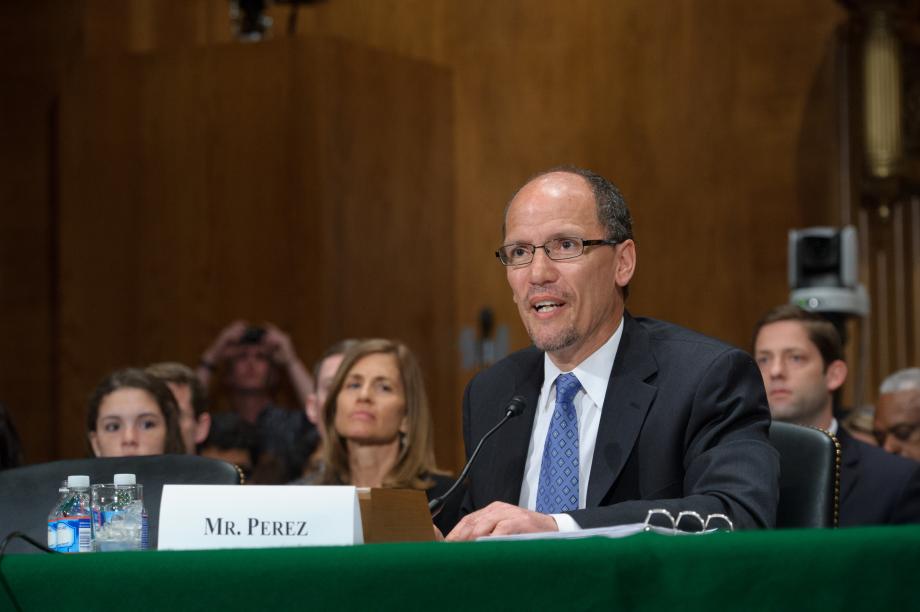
{"x": 197, "y": 517}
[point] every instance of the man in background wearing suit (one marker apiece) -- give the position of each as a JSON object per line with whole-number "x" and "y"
{"x": 624, "y": 414}
{"x": 801, "y": 359}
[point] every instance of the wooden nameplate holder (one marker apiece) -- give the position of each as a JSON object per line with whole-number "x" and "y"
{"x": 395, "y": 515}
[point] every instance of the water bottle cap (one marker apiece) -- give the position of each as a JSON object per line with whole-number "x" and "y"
{"x": 125, "y": 479}
{"x": 78, "y": 482}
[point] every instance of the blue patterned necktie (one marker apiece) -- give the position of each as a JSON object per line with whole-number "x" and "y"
{"x": 558, "y": 488}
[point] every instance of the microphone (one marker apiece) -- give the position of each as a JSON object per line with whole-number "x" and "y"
{"x": 514, "y": 408}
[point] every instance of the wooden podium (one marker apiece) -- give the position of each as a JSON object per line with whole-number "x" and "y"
{"x": 395, "y": 515}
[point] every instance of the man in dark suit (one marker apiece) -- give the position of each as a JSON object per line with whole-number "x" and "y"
{"x": 623, "y": 415}
{"x": 801, "y": 360}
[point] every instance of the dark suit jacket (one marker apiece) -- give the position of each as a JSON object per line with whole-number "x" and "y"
{"x": 876, "y": 487}
{"x": 683, "y": 427}
{"x": 450, "y": 511}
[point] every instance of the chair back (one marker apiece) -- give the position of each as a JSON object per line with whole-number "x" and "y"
{"x": 809, "y": 482}
{"x": 27, "y": 494}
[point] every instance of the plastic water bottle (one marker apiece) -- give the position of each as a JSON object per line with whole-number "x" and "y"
{"x": 134, "y": 497}
{"x": 119, "y": 517}
{"x": 69, "y": 527}
{"x": 55, "y": 516}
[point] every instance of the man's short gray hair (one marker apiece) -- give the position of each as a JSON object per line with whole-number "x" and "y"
{"x": 612, "y": 211}
{"x": 902, "y": 380}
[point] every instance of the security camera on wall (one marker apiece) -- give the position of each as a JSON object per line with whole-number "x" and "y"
{"x": 823, "y": 271}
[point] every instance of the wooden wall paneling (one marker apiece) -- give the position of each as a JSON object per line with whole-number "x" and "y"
{"x": 688, "y": 107}
{"x": 414, "y": 28}
{"x": 878, "y": 286}
{"x": 175, "y": 293}
{"x": 894, "y": 299}
{"x": 385, "y": 146}
{"x": 718, "y": 179}
{"x": 892, "y": 266}
{"x": 913, "y": 282}
{"x": 142, "y": 26}
{"x": 254, "y": 208}
{"x": 306, "y": 206}
{"x": 701, "y": 112}
{"x": 900, "y": 226}
{"x": 26, "y": 266}
{"x": 191, "y": 200}
{"x": 101, "y": 182}
{"x": 200, "y": 222}
{"x": 888, "y": 213}
{"x": 37, "y": 39}
{"x": 262, "y": 214}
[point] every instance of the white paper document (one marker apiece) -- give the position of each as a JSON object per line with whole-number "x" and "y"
{"x": 617, "y": 531}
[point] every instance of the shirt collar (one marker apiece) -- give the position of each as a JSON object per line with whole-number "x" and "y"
{"x": 593, "y": 373}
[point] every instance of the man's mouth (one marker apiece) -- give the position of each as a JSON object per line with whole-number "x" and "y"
{"x": 546, "y": 306}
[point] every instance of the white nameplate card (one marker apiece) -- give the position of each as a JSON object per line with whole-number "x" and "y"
{"x": 196, "y": 517}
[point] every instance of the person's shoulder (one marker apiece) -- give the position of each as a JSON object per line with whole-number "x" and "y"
{"x": 673, "y": 338}
{"x": 517, "y": 365}
{"x": 879, "y": 462}
{"x": 521, "y": 370}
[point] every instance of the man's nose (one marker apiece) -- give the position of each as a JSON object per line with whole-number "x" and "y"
{"x": 542, "y": 268}
{"x": 775, "y": 368}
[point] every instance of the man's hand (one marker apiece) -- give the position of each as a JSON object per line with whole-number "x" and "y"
{"x": 499, "y": 518}
{"x": 227, "y": 336}
{"x": 280, "y": 345}
{"x": 283, "y": 354}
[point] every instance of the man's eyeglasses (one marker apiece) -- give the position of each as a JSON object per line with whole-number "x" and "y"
{"x": 520, "y": 254}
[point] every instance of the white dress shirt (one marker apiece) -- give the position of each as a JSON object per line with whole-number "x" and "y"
{"x": 593, "y": 373}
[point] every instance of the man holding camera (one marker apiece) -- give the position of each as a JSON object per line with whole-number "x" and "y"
{"x": 251, "y": 359}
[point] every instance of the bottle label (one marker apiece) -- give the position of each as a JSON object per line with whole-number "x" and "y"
{"x": 71, "y": 534}
{"x": 145, "y": 541}
{"x": 104, "y": 517}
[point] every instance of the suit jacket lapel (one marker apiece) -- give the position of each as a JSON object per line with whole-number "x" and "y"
{"x": 625, "y": 406}
{"x": 512, "y": 441}
{"x": 849, "y": 460}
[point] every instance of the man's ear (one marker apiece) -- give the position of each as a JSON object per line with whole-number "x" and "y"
{"x": 836, "y": 375}
{"x": 626, "y": 262}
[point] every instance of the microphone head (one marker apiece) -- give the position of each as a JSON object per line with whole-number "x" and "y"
{"x": 516, "y": 406}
